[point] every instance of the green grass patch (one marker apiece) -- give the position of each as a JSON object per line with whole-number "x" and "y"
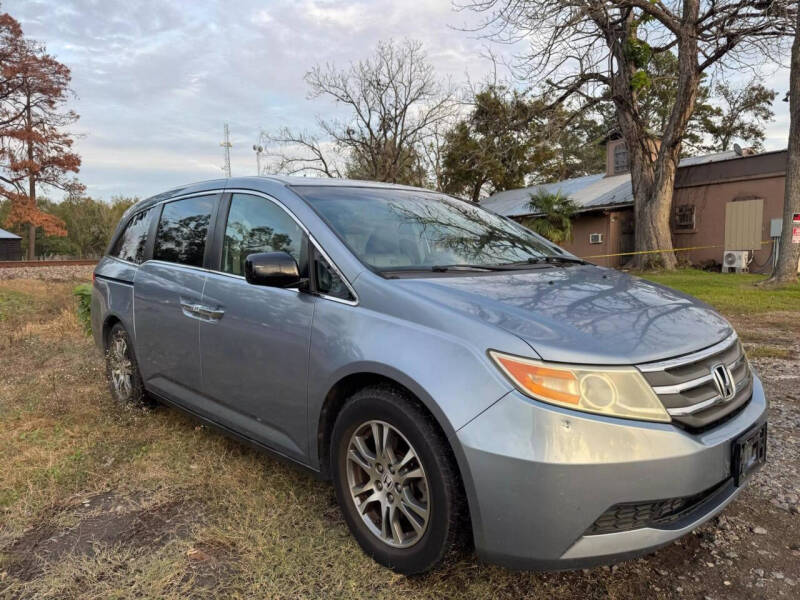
{"x": 730, "y": 292}
{"x": 83, "y": 295}
{"x": 14, "y": 303}
{"x": 8, "y": 497}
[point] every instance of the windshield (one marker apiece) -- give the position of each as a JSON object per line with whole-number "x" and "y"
{"x": 395, "y": 230}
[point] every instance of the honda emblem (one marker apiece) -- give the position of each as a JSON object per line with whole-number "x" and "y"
{"x": 723, "y": 381}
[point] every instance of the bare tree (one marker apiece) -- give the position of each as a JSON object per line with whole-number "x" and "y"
{"x": 433, "y": 152}
{"x": 786, "y": 269}
{"x": 600, "y": 49}
{"x": 300, "y": 152}
{"x": 394, "y": 101}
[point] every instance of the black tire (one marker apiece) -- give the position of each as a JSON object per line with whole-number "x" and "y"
{"x": 133, "y": 393}
{"x": 446, "y": 523}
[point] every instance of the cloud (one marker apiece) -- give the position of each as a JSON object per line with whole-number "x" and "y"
{"x": 156, "y": 80}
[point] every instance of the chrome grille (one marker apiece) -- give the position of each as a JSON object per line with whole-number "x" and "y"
{"x": 686, "y": 386}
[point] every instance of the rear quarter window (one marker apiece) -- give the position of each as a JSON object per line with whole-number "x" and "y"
{"x": 130, "y": 245}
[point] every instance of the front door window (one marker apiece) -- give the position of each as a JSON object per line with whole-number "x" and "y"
{"x": 257, "y": 225}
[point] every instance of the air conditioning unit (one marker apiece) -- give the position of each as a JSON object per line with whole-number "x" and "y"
{"x": 735, "y": 260}
{"x": 595, "y": 238}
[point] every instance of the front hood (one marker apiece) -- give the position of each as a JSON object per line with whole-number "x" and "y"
{"x": 581, "y": 314}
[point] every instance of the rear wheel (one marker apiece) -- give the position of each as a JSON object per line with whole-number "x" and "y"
{"x": 395, "y": 480}
{"x": 122, "y": 370}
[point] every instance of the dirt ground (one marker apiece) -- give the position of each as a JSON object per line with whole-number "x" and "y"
{"x": 102, "y": 501}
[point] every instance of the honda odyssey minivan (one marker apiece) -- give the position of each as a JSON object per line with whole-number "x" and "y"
{"x": 455, "y": 375}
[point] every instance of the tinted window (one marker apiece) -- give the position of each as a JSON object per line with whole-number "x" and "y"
{"x": 404, "y": 229}
{"x": 182, "y": 231}
{"x": 257, "y": 225}
{"x": 131, "y": 243}
{"x": 328, "y": 281}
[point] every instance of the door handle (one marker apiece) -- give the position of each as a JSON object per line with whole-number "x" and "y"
{"x": 204, "y": 312}
{"x": 213, "y": 314}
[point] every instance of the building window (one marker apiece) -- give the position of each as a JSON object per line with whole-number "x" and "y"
{"x": 684, "y": 217}
{"x": 621, "y": 159}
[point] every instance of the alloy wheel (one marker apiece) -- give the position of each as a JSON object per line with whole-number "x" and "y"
{"x": 387, "y": 484}
{"x": 120, "y": 367}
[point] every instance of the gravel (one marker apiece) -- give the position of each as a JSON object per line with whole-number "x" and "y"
{"x": 753, "y": 548}
{"x": 65, "y": 273}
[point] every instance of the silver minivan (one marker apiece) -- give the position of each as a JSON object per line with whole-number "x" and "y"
{"x": 458, "y": 377}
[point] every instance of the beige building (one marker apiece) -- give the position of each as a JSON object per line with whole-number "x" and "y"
{"x": 724, "y": 201}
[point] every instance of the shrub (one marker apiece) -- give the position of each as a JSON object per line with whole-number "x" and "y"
{"x": 83, "y": 293}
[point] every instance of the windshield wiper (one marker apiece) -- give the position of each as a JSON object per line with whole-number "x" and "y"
{"x": 467, "y": 267}
{"x": 532, "y": 262}
{"x": 510, "y": 266}
{"x": 394, "y": 272}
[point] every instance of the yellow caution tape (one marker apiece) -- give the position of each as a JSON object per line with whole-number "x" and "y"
{"x": 660, "y": 251}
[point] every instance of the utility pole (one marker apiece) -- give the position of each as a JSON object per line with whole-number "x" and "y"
{"x": 258, "y": 150}
{"x": 226, "y": 144}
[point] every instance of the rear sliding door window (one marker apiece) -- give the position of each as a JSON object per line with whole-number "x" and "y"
{"x": 182, "y": 231}
{"x": 130, "y": 245}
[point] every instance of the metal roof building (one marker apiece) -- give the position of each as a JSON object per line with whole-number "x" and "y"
{"x": 590, "y": 192}
{"x": 711, "y": 200}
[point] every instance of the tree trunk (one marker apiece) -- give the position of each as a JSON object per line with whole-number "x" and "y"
{"x": 31, "y": 184}
{"x": 652, "y": 205}
{"x": 653, "y": 164}
{"x": 786, "y": 269}
{"x": 652, "y": 182}
{"x": 31, "y": 241}
{"x": 476, "y": 192}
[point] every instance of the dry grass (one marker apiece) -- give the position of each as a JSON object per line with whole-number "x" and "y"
{"x": 767, "y": 351}
{"x": 102, "y": 501}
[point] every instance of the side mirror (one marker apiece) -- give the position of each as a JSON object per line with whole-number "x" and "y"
{"x": 272, "y": 269}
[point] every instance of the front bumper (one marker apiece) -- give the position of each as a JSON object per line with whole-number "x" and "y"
{"x": 538, "y": 476}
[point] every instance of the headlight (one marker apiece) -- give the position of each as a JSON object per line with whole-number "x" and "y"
{"x": 612, "y": 391}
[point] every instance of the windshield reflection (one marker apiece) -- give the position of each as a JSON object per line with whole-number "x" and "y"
{"x": 395, "y": 230}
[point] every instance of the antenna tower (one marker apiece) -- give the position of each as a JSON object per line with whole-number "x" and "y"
{"x": 226, "y": 144}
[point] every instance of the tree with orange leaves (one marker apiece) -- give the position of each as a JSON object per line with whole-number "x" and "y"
{"x": 34, "y": 148}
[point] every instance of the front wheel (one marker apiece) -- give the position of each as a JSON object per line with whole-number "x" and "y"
{"x": 395, "y": 480}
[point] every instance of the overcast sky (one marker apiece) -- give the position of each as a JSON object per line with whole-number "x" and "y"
{"x": 155, "y": 80}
